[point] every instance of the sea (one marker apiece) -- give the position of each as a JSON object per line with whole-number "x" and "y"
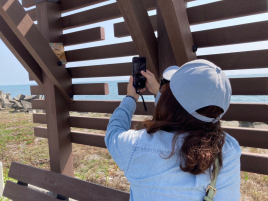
{"x": 14, "y": 90}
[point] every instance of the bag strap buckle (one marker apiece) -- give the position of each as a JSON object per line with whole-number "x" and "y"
{"x": 212, "y": 188}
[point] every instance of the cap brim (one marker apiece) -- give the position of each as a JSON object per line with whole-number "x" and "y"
{"x": 170, "y": 71}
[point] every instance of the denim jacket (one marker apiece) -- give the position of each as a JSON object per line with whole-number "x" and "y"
{"x": 151, "y": 177}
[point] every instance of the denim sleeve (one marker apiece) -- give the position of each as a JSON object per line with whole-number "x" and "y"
{"x": 121, "y": 141}
{"x": 228, "y": 184}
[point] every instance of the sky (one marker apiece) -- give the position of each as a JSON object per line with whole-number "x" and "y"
{"x": 13, "y": 73}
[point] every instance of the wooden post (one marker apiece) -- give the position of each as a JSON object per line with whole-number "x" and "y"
{"x": 178, "y": 29}
{"x": 57, "y": 110}
{"x": 165, "y": 54}
{"x": 141, "y": 31}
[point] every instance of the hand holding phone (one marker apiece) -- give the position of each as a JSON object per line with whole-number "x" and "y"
{"x": 138, "y": 65}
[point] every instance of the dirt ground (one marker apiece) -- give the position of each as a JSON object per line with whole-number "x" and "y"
{"x": 17, "y": 143}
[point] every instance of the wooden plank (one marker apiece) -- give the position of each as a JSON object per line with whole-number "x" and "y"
{"x": 91, "y": 89}
{"x": 256, "y": 163}
{"x": 108, "y": 107}
{"x": 80, "y": 89}
{"x": 120, "y": 29}
{"x": 20, "y": 52}
{"x": 36, "y": 90}
{"x": 178, "y": 29}
{"x": 109, "y": 70}
{"x": 57, "y": 110}
{"x": 249, "y": 137}
{"x": 240, "y": 86}
{"x": 102, "y": 52}
{"x": 18, "y": 192}
{"x": 96, "y": 123}
{"x": 67, "y": 5}
{"x": 253, "y": 112}
{"x": 24, "y": 28}
{"x": 239, "y": 60}
{"x": 225, "y": 10}
{"x": 32, "y": 14}
{"x": 85, "y": 36}
{"x": 141, "y": 30}
{"x": 99, "y": 14}
{"x": 63, "y": 185}
{"x": 90, "y": 139}
{"x": 249, "y": 86}
{"x": 165, "y": 53}
{"x": 232, "y": 35}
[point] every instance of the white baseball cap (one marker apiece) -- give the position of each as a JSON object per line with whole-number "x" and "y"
{"x": 167, "y": 74}
{"x": 199, "y": 84}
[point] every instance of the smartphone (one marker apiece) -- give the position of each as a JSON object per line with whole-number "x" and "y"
{"x": 138, "y": 65}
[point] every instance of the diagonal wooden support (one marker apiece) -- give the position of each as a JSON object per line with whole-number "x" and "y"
{"x": 178, "y": 29}
{"x": 20, "y": 52}
{"x": 57, "y": 109}
{"x": 22, "y": 25}
{"x": 141, "y": 31}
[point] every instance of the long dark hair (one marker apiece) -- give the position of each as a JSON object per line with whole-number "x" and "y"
{"x": 203, "y": 141}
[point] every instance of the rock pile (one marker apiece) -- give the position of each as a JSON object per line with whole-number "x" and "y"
{"x": 22, "y": 103}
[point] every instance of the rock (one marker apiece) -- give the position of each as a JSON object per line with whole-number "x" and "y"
{"x": 16, "y": 105}
{"x": 6, "y": 104}
{"x": 260, "y": 125}
{"x": 16, "y": 99}
{"x": 29, "y": 98}
{"x": 1, "y": 180}
{"x": 1, "y": 107}
{"x": 246, "y": 124}
{"x": 9, "y": 97}
{"x": 26, "y": 104}
{"x": 31, "y": 111}
{"x": 20, "y": 97}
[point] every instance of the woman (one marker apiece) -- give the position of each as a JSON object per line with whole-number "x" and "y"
{"x": 174, "y": 156}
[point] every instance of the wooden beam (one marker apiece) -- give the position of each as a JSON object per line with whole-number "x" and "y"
{"x": 108, "y": 70}
{"x": 221, "y": 10}
{"x": 63, "y": 185}
{"x": 22, "y": 25}
{"x": 96, "y": 123}
{"x": 253, "y": 112}
{"x": 66, "y": 5}
{"x": 20, "y": 52}
{"x": 165, "y": 53}
{"x": 80, "y": 89}
{"x": 244, "y": 33}
{"x": 85, "y": 36}
{"x": 240, "y": 86}
{"x": 239, "y": 60}
{"x": 257, "y": 163}
{"x": 15, "y": 191}
{"x": 249, "y": 137}
{"x": 102, "y": 52}
{"x": 32, "y": 14}
{"x": 178, "y": 29}
{"x": 99, "y": 14}
{"x": 138, "y": 23}
{"x": 57, "y": 109}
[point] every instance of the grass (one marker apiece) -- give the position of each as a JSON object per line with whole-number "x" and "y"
{"x": 17, "y": 143}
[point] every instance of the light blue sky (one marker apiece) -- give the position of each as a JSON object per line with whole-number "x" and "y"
{"x": 13, "y": 73}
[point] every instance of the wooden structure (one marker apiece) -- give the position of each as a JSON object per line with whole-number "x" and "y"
{"x": 174, "y": 45}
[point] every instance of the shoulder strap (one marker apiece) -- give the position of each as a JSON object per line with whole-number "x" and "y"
{"x": 211, "y": 190}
